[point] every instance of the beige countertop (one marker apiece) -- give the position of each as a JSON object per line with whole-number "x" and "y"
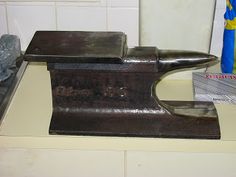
{"x": 27, "y": 121}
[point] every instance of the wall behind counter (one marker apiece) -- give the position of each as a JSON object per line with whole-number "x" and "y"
{"x": 24, "y": 17}
{"x": 182, "y": 25}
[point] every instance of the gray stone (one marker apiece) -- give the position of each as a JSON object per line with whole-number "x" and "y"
{"x": 10, "y": 49}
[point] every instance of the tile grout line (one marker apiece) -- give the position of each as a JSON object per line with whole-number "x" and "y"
{"x": 6, "y": 14}
{"x": 212, "y": 28}
{"x": 139, "y": 23}
{"x": 29, "y": 3}
{"x": 106, "y": 15}
{"x": 56, "y": 18}
{"x": 125, "y": 163}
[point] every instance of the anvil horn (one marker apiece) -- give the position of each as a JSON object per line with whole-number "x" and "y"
{"x": 172, "y": 60}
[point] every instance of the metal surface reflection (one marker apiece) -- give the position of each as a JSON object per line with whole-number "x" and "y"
{"x": 100, "y": 87}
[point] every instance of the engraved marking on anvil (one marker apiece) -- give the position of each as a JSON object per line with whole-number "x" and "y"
{"x": 106, "y": 92}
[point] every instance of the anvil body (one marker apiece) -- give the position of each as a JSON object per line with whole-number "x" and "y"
{"x": 100, "y": 87}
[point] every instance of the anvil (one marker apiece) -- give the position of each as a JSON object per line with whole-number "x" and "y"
{"x": 101, "y": 87}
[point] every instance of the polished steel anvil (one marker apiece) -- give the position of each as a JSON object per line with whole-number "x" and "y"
{"x": 101, "y": 87}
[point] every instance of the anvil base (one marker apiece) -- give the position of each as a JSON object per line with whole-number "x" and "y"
{"x": 121, "y": 104}
{"x": 141, "y": 125}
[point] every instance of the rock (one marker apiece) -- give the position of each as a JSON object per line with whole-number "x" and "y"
{"x": 9, "y": 50}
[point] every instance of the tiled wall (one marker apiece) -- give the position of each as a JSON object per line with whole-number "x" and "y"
{"x": 218, "y": 29}
{"x": 177, "y": 24}
{"x": 24, "y": 18}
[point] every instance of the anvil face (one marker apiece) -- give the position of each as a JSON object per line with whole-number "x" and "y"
{"x": 103, "y": 88}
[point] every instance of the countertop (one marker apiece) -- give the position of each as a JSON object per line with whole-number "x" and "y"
{"x": 27, "y": 119}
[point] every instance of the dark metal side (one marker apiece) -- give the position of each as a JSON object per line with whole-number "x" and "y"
{"x": 100, "y": 87}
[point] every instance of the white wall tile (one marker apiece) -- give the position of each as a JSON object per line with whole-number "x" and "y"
{"x": 3, "y": 21}
{"x": 179, "y": 24}
{"x": 24, "y": 20}
{"x": 217, "y": 39}
{"x": 123, "y": 3}
{"x": 125, "y": 20}
{"x": 219, "y": 15}
{"x": 218, "y": 31}
{"x": 30, "y": 3}
{"x": 25, "y": 17}
{"x": 220, "y": 4}
{"x": 81, "y": 18}
{"x": 99, "y": 3}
